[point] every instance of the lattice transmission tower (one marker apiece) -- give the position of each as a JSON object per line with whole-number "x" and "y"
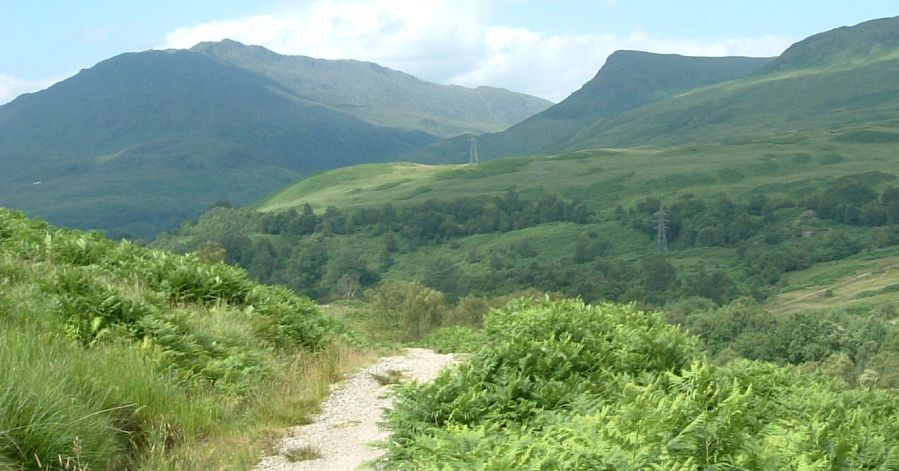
{"x": 473, "y": 150}
{"x": 661, "y": 231}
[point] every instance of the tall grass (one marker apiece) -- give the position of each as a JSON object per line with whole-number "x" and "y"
{"x": 60, "y": 403}
{"x": 117, "y": 357}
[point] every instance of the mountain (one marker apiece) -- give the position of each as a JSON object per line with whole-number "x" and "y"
{"x": 843, "y": 77}
{"x": 865, "y": 41}
{"x": 142, "y": 141}
{"x": 628, "y": 80}
{"x": 383, "y": 96}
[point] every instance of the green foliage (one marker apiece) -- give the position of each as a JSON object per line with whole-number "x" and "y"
{"x": 568, "y": 386}
{"x": 110, "y": 353}
{"x": 410, "y": 308}
{"x": 457, "y": 338}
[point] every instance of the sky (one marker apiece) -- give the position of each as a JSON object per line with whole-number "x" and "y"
{"x": 540, "y": 47}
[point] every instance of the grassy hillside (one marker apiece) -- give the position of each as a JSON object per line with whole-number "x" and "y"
{"x": 839, "y": 78}
{"x": 860, "y": 93}
{"x": 862, "y": 42}
{"x": 628, "y": 80}
{"x": 605, "y": 178}
{"x": 743, "y": 220}
{"x": 142, "y": 141}
{"x": 383, "y": 96}
{"x": 119, "y": 357}
{"x": 836, "y": 78}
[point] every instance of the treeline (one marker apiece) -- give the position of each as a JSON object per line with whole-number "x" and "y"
{"x": 860, "y": 348}
{"x": 339, "y": 253}
{"x": 722, "y": 222}
{"x": 433, "y": 220}
{"x": 773, "y": 236}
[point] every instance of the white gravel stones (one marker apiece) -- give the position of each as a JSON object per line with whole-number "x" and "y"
{"x": 340, "y": 436}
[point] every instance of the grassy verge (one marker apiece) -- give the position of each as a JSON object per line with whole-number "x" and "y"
{"x": 255, "y": 429}
{"x": 117, "y": 357}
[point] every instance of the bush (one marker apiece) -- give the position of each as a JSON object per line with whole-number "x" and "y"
{"x": 411, "y": 308}
{"x": 563, "y": 385}
{"x": 456, "y": 339}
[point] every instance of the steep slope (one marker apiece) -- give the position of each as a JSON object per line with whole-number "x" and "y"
{"x": 383, "y": 96}
{"x": 866, "y": 40}
{"x": 842, "y": 77}
{"x": 142, "y": 141}
{"x": 628, "y": 80}
{"x": 114, "y": 356}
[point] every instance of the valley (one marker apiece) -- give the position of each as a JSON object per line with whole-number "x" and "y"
{"x": 689, "y": 263}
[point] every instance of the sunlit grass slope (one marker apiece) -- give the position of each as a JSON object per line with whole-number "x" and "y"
{"x": 860, "y": 283}
{"x": 114, "y": 356}
{"x": 783, "y": 164}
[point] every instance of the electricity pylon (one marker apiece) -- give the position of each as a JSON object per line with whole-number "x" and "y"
{"x": 473, "y": 150}
{"x": 661, "y": 231}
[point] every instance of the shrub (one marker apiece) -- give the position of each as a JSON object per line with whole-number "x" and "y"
{"x": 461, "y": 339}
{"x": 563, "y": 385}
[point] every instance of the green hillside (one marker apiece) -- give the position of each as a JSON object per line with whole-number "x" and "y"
{"x": 840, "y": 95}
{"x": 114, "y": 356}
{"x": 628, "y": 80}
{"x": 383, "y": 96}
{"x": 860, "y": 43}
{"x": 841, "y": 77}
{"x": 744, "y": 220}
{"x": 142, "y": 141}
{"x": 834, "y": 79}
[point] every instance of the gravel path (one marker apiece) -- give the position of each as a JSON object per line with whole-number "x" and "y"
{"x": 339, "y": 438}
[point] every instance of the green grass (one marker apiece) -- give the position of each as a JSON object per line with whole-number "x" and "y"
{"x": 863, "y": 282}
{"x": 119, "y": 357}
{"x": 351, "y": 185}
{"x": 604, "y": 177}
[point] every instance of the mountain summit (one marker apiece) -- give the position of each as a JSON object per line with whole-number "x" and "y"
{"x": 628, "y": 80}
{"x": 383, "y": 96}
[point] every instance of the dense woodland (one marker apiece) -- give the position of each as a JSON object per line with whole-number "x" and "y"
{"x": 339, "y": 253}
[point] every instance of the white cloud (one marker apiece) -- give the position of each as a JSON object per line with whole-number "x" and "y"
{"x": 11, "y": 87}
{"x": 449, "y": 41}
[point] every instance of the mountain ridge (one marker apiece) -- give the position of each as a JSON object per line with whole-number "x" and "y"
{"x": 381, "y": 95}
{"x": 837, "y": 78}
{"x": 628, "y": 80}
{"x": 144, "y": 140}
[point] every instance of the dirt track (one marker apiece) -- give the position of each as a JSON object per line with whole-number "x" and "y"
{"x": 339, "y": 438}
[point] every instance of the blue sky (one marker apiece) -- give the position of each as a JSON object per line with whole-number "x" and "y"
{"x": 546, "y": 48}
